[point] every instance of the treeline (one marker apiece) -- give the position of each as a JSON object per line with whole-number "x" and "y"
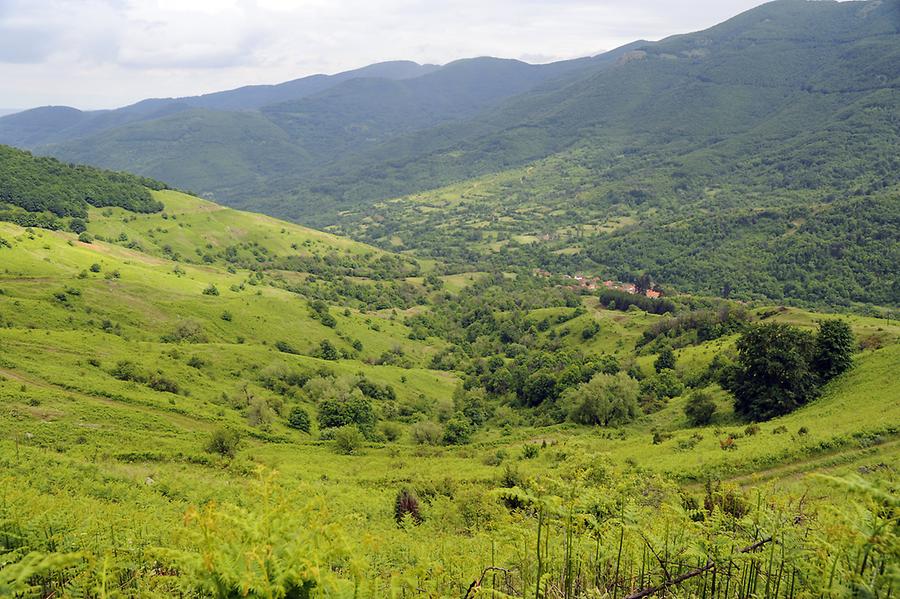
{"x": 45, "y": 185}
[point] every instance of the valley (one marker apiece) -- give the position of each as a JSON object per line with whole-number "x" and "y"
{"x": 614, "y": 327}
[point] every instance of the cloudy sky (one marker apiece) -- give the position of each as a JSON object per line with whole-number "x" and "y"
{"x": 106, "y": 53}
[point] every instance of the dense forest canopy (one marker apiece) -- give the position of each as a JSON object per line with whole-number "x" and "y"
{"x": 45, "y": 185}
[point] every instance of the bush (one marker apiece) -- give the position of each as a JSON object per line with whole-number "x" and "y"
{"x": 85, "y": 237}
{"x": 391, "y": 431}
{"x": 95, "y": 267}
{"x": 700, "y": 408}
{"x": 457, "y": 431}
{"x": 224, "y": 441}
{"x": 158, "y": 382}
{"x": 285, "y": 347}
{"x": 187, "y": 331}
{"x": 834, "y": 349}
{"x": 299, "y": 419}
{"x": 196, "y": 362}
{"x": 211, "y": 289}
{"x": 427, "y": 433}
{"x": 355, "y": 409}
{"x": 590, "y": 330}
{"x": 348, "y": 440}
{"x": 126, "y": 370}
{"x": 665, "y": 360}
{"x": 530, "y": 451}
{"x": 406, "y": 504}
{"x": 327, "y": 350}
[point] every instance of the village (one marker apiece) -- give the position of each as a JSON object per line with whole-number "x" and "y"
{"x": 594, "y": 283}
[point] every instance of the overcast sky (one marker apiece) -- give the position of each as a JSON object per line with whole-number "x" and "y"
{"x": 107, "y": 53}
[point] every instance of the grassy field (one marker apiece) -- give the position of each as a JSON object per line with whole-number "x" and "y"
{"x": 109, "y": 488}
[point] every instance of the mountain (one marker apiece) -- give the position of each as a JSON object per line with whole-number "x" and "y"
{"x": 55, "y": 124}
{"x": 769, "y": 124}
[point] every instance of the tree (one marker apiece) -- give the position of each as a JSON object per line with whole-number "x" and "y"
{"x": 657, "y": 389}
{"x": 539, "y": 387}
{"x": 834, "y": 349}
{"x": 665, "y": 359}
{"x": 773, "y": 374}
{"x": 700, "y": 408}
{"x": 77, "y": 225}
{"x": 299, "y": 419}
{"x": 605, "y": 400}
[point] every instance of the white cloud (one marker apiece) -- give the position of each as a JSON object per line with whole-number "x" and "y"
{"x": 104, "y": 53}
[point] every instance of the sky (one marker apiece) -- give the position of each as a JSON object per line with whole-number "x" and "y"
{"x": 107, "y": 53}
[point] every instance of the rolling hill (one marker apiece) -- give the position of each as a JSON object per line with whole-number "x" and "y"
{"x": 185, "y": 386}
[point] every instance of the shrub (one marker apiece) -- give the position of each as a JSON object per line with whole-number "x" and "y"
{"x": 187, "y": 331}
{"x": 657, "y": 389}
{"x": 457, "y": 431}
{"x": 196, "y": 362}
{"x": 348, "y": 440}
{"x": 259, "y": 414}
{"x": 224, "y": 441}
{"x": 427, "y": 432}
{"x": 299, "y": 419}
{"x": 406, "y": 504}
{"x": 158, "y": 382}
{"x": 700, "y": 408}
{"x": 95, "y": 267}
{"x": 355, "y": 409}
{"x": 211, "y": 289}
{"x": 85, "y": 237}
{"x": 590, "y": 330}
{"x": 834, "y": 349}
{"x": 327, "y": 350}
{"x": 391, "y": 431}
{"x": 227, "y": 316}
{"x": 126, "y": 370}
{"x": 285, "y": 347}
{"x": 530, "y": 451}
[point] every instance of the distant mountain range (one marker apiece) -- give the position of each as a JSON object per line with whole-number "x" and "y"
{"x": 793, "y": 103}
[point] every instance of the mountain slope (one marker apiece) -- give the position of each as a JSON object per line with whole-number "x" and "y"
{"x": 779, "y": 70}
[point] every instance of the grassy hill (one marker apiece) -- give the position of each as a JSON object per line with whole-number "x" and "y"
{"x": 120, "y": 367}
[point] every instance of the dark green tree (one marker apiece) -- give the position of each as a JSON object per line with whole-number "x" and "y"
{"x": 700, "y": 408}
{"x": 774, "y": 373}
{"x": 665, "y": 359}
{"x": 299, "y": 419}
{"x": 834, "y": 349}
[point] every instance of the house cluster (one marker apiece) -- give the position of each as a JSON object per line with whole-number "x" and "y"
{"x": 594, "y": 283}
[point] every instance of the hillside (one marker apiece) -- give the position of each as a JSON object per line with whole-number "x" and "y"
{"x": 612, "y": 165}
{"x": 183, "y": 387}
